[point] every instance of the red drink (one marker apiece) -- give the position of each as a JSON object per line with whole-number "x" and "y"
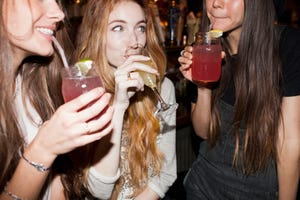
{"x": 206, "y": 65}
{"x": 73, "y": 87}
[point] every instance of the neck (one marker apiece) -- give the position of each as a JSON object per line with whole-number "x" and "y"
{"x": 233, "y": 39}
{"x": 18, "y": 56}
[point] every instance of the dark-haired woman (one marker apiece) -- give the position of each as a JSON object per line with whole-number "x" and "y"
{"x": 250, "y": 118}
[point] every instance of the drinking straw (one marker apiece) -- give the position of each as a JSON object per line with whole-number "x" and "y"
{"x": 61, "y": 52}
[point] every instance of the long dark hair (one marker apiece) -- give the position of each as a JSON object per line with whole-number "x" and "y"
{"x": 41, "y": 84}
{"x": 258, "y": 87}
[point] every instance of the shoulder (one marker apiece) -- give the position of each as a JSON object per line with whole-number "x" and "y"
{"x": 290, "y": 39}
{"x": 168, "y": 90}
{"x": 290, "y": 58}
{"x": 167, "y": 84}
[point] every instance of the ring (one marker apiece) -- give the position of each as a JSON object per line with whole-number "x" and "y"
{"x": 86, "y": 127}
{"x": 182, "y": 52}
{"x": 128, "y": 76}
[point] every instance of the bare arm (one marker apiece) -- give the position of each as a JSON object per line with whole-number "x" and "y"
{"x": 288, "y": 164}
{"x": 108, "y": 152}
{"x": 201, "y": 111}
{"x": 65, "y": 131}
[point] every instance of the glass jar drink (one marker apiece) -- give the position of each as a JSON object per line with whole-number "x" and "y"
{"x": 206, "y": 66}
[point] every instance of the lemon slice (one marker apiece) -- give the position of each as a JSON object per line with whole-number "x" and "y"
{"x": 84, "y": 65}
{"x": 215, "y": 33}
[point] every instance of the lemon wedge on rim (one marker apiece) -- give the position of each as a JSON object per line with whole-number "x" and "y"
{"x": 215, "y": 33}
{"x": 84, "y": 65}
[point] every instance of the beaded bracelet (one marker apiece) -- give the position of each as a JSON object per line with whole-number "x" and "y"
{"x": 38, "y": 166}
{"x": 11, "y": 195}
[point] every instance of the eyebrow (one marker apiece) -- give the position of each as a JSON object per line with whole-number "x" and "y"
{"x": 124, "y": 22}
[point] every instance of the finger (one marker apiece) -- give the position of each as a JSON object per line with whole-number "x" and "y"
{"x": 89, "y": 138}
{"x": 184, "y": 61}
{"x": 143, "y": 67}
{"x": 134, "y": 63}
{"x": 188, "y": 49}
{"x": 182, "y": 52}
{"x": 101, "y": 121}
{"x": 223, "y": 54}
{"x": 135, "y": 58}
{"x": 84, "y": 99}
{"x": 95, "y": 108}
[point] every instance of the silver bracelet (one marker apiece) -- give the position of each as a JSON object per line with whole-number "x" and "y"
{"x": 11, "y": 195}
{"x": 38, "y": 166}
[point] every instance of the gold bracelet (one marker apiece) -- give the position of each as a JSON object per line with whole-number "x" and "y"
{"x": 38, "y": 166}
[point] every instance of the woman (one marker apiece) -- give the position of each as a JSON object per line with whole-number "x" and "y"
{"x": 250, "y": 117}
{"x": 144, "y": 146}
{"x": 34, "y": 128}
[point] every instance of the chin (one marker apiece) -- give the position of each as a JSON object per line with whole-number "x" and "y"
{"x": 47, "y": 53}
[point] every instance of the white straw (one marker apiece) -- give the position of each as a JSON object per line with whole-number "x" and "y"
{"x": 61, "y": 52}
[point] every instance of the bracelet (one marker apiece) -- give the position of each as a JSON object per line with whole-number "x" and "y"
{"x": 11, "y": 195}
{"x": 38, "y": 166}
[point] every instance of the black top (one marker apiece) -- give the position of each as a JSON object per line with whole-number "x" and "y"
{"x": 290, "y": 58}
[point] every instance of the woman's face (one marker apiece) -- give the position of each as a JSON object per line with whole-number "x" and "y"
{"x": 225, "y": 15}
{"x": 30, "y": 25}
{"x": 126, "y": 29}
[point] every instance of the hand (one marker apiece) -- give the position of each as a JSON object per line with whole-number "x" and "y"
{"x": 128, "y": 81}
{"x": 185, "y": 61}
{"x": 75, "y": 124}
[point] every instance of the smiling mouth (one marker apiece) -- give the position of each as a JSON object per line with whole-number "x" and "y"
{"x": 46, "y": 31}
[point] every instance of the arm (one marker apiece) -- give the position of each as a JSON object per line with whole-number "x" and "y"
{"x": 105, "y": 172}
{"x": 65, "y": 131}
{"x": 159, "y": 185}
{"x": 288, "y": 164}
{"x": 200, "y": 112}
{"x": 107, "y": 156}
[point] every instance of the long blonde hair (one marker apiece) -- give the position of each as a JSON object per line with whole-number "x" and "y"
{"x": 141, "y": 127}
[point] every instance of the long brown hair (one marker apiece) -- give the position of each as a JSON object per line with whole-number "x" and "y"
{"x": 257, "y": 80}
{"x": 140, "y": 133}
{"x": 41, "y": 84}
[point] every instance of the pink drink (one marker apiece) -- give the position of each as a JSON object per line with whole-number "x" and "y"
{"x": 206, "y": 65}
{"x": 73, "y": 87}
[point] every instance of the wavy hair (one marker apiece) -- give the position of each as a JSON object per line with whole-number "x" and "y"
{"x": 258, "y": 87}
{"x": 40, "y": 75}
{"x": 141, "y": 131}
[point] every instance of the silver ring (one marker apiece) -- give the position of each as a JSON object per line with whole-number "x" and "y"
{"x": 129, "y": 75}
{"x": 182, "y": 52}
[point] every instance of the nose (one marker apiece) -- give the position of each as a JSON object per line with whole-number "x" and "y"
{"x": 55, "y": 12}
{"x": 218, "y": 3}
{"x": 133, "y": 39}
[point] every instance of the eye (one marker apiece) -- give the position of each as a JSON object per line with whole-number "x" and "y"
{"x": 117, "y": 28}
{"x": 142, "y": 28}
